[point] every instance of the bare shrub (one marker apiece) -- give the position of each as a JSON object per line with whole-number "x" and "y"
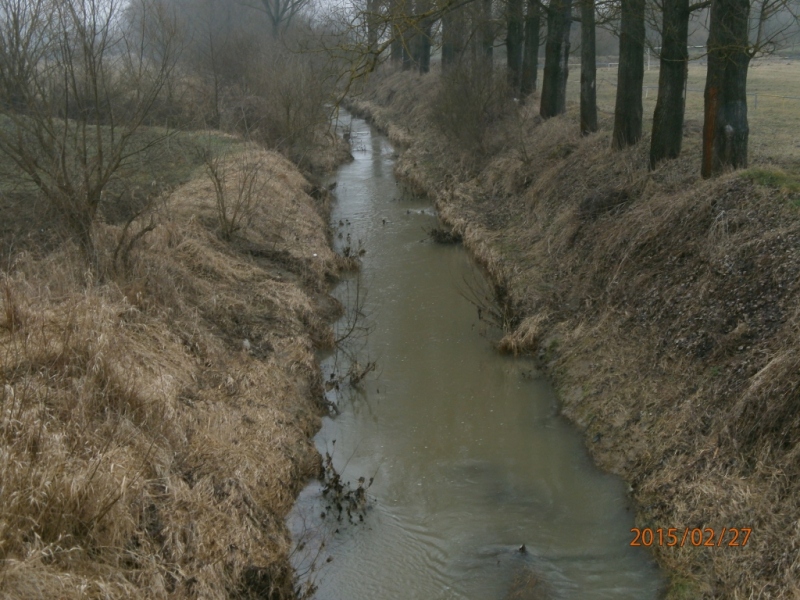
{"x": 284, "y": 104}
{"x": 239, "y": 185}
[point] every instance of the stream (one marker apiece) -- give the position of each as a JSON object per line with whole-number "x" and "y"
{"x": 470, "y": 458}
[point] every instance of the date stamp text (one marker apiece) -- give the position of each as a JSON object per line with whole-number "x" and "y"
{"x": 691, "y": 536}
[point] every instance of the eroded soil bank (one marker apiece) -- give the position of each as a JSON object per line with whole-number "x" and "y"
{"x": 664, "y": 307}
{"x": 155, "y": 424}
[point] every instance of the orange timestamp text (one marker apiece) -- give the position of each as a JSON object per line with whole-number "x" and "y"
{"x": 691, "y": 536}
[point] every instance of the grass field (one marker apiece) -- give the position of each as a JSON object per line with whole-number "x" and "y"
{"x": 774, "y": 118}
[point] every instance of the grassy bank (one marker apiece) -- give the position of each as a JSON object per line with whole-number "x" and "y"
{"x": 665, "y": 308}
{"x": 156, "y": 415}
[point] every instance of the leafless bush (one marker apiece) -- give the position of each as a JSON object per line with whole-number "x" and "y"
{"x": 239, "y": 186}
{"x": 284, "y": 108}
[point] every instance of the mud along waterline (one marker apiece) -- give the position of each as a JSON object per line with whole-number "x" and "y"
{"x": 469, "y": 456}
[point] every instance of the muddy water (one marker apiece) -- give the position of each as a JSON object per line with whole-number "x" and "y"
{"x": 469, "y": 456}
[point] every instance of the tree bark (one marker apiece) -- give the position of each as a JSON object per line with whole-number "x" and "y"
{"x": 372, "y": 25}
{"x": 726, "y": 131}
{"x": 628, "y": 109}
{"x": 530, "y": 56}
{"x": 487, "y": 34}
{"x": 588, "y": 69}
{"x": 409, "y": 35}
{"x": 556, "y": 59}
{"x": 452, "y": 37}
{"x": 514, "y": 44}
{"x": 424, "y": 45}
{"x": 396, "y": 46}
{"x": 422, "y": 38}
{"x": 670, "y": 107}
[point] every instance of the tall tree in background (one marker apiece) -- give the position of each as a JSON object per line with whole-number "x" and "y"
{"x": 588, "y": 69}
{"x": 486, "y": 33}
{"x": 514, "y": 39}
{"x": 407, "y": 32}
{"x": 373, "y": 19}
{"x": 628, "y": 108}
{"x": 396, "y": 46}
{"x": 422, "y": 39}
{"x": 453, "y": 36}
{"x": 725, "y": 130}
{"x": 556, "y": 59}
{"x": 281, "y": 13}
{"x": 530, "y": 55}
{"x": 668, "y": 117}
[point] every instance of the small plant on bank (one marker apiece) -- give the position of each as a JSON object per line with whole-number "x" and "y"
{"x": 238, "y": 187}
{"x": 445, "y": 236}
{"x": 493, "y": 304}
{"x": 343, "y": 498}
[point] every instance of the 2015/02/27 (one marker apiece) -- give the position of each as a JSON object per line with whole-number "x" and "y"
{"x": 738, "y": 536}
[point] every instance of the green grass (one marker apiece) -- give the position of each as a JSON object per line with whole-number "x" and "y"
{"x": 682, "y": 589}
{"x": 776, "y": 178}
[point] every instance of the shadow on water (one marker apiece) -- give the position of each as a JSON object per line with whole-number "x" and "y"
{"x": 469, "y": 456}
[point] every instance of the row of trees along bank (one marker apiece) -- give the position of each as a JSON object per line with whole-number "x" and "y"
{"x": 467, "y": 30}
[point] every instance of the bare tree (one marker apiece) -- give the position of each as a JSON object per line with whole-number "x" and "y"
{"x": 588, "y": 69}
{"x": 22, "y": 47}
{"x": 281, "y": 13}
{"x": 556, "y": 61}
{"x": 668, "y": 117}
{"x": 487, "y": 33}
{"x": 628, "y": 108}
{"x": 726, "y": 130}
{"x": 88, "y": 88}
{"x": 453, "y": 36}
{"x": 530, "y": 54}
{"x": 738, "y": 31}
{"x": 514, "y": 41}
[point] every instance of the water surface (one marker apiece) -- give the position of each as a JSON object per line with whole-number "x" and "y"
{"x": 469, "y": 456}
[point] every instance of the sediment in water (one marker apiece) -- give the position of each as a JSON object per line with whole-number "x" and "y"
{"x": 664, "y": 307}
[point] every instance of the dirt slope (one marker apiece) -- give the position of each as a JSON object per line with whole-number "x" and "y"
{"x": 155, "y": 425}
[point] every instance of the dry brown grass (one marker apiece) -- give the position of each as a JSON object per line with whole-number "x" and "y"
{"x": 148, "y": 450}
{"x": 667, "y": 310}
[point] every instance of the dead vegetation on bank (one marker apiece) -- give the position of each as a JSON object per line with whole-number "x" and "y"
{"x": 155, "y": 424}
{"x": 666, "y": 307}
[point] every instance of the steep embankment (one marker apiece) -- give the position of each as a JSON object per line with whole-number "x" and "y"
{"x": 665, "y": 308}
{"x": 155, "y": 426}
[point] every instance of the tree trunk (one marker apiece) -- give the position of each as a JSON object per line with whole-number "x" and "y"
{"x": 668, "y": 117}
{"x": 372, "y": 25}
{"x": 452, "y": 37}
{"x": 424, "y": 45}
{"x": 487, "y": 34}
{"x": 628, "y": 109}
{"x": 588, "y": 69}
{"x": 514, "y": 45}
{"x": 396, "y": 48}
{"x": 409, "y": 36}
{"x": 530, "y": 57}
{"x": 725, "y": 130}
{"x": 556, "y": 59}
